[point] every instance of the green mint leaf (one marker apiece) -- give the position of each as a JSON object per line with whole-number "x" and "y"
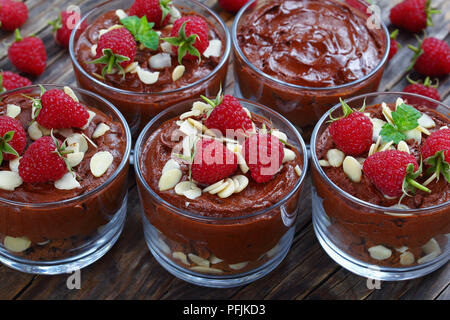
{"x": 405, "y": 117}
{"x": 132, "y": 24}
{"x": 150, "y": 40}
{"x": 391, "y": 133}
{"x": 142, "y": 31}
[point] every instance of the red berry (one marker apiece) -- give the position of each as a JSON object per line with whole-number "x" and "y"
{"x": 10, "y": 81}
{"x": 19, "y": 139}
{"x": 212, "y": 162}
{"x": 411, "y": 15}
{"x": 60, "y": 111}
{"x": 433, "y": 57}
{"x": 387, "y": 170}
{"x": 352, "y": 134}
{"x": 425, "y": 89}
{"x": 394, "y": 46}
{"x": 121, "y": 42}
{"x": 232, "y": 6}
{"x": 28, "y": 54}
{"x": 264, "y": 155}
{"x": 153, "y": 10}
{"x": 193, "y": 25}
{"x": 437, "y": 141}
{"x": 41, "y": 163}
{"x": 229, "y": 114}
{"x": 63, "y": 26}
{"x": 13, "y": 14}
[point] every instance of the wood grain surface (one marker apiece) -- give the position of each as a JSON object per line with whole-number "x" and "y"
{"x": 129, "y": 271}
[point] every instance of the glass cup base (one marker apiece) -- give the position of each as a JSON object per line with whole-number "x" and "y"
{"x": 90, "y": 252}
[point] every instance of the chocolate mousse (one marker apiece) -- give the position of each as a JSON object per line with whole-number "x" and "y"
{"x": 227, "y": 231}
{"x": 387, "y": 238}
{"x": 65, "y": 220}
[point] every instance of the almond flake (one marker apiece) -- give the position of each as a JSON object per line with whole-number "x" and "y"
{"x": 146, "y": 76}
{"x": 335, "y": 157}
{"x": 214, "y": 186}
{"x": 132, "y": 67}
{"x": 121, "y": 14}
{"x": 74, "y": 158}
{"x": 174, "y": 14}
{"x": 91, "y": 117}
{"x": 170, "y": 164}
{"x": 178, "y": 72}
{"x": 280, "y": 135}
{"x": 80, "y": 140}
{"x": 19, "y": 244}
{"x": 423, "y": 130}
{"x": 34, "y": 132}
{"x": 160, "y": 61}
{"x": 380, "y": 252}
{"x": 214, "y": 49}
{"x": 12, "y": 110}
{"x": 403, "y": 146}
{"x": 94, "y": 50}
{"x": 387, "y": 146}
{"x": 10, "y": 180}
{"x": 166, "y": 47}
{"x": 180, "y": 256}
{"x": 324, "y": 163}
{"x": 14, "y": 164}
{"x": 206, "y": 270}
{"x": 198, "y": 260}
{"x": 238, "y": 266}
{"x": 298, "y": 171}
{"x": 377, "y": 126}
{"x": 67, "y": 182}
{"x": 387, "y": 112}
{"x": 431, "y": 246}
{"x": 197, "y": 124}
{"x": 241, "y": 162}
{"x": 426, "y": 121}
{"x": 70, "y": 93}
{"x": 169, "y": 179}
{"x": 200, "y": 106}
{"x": 289, "y": 155}
{"x": 193, "y": 113}
{"x": 414, "y": 134}
{"x": 100, "y": 163}
{"x": 406, "y": 258}
{"x": 100, "y": 130}
{"x": 352, "y": 169}
{"x": 240, "y": 183}
{"x": 103, "y": 31}
{"x": 214, "y": 260}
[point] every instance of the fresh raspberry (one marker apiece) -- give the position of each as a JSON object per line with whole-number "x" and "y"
{"x": 432, "y": 58}
{"x": 182, "y": 42}
{"x": 412, "y": 15}
{"x": 387, "y": 170}
{"x": 437, "y": 141}
{"x": 28, "y": 54}
{"x": 59, "y": 110}
{"x": 156, "y": 11}
{"x": 229, "y": 114}
{"x": 212, "y": 162}
{"x": 352, "y": 133}
{"x": 17, "y": 142}
{"x": 264, "y": 155}
{"x": 113, "y": 49}
{"x": 41, "y": 162}
{"x": 10, "y": 81}
{"x": 394, "y": 45}
{"x": 358, "y": 4}
{"x": 13, "y": 14}
{"x": 63, "y": 26}
{"x": 426, "y": 89}
{"x": 232, "y": 6}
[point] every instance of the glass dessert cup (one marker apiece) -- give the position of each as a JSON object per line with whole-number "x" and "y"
{"x": 63, "y": 236}
{"x": 237, "y": 249}
{"x": 301, "y": 105}
{"x": 139, "y": 107}
{"x": 346, "y": 226}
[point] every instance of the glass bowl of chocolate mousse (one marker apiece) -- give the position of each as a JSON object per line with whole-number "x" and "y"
{"x": 63, "y": 194}
{"x": 221, "y": 221}
{"x": 301, "y": 56}
{"x": 381, "y": 206}
{"x": 155, "y": 78}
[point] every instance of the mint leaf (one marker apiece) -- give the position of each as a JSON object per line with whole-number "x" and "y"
{"x": 391, "y": 133}
{"x": 405, "y": 117}
{"x": 142, "y": 31}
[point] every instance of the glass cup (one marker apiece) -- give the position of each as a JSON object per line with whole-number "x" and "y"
{"x": 346, "y": 226}
{"x": 67, "y": 235}
{"x": 303, "y": 106}
{"x": 234, "y": 250}
{"x": 139, "y": 107}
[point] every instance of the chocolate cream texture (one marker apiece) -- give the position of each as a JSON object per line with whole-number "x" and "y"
{"x": 311, "y": 43}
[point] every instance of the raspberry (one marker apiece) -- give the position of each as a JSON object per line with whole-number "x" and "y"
{"x": 352, "y": 133}
{"x": 212, "y": 162}
{"x": 426, "y": 89}
{"x": 10, "y": 81}
{"x": 264, "y": 155}
{"x": 28, "y": 54}
{"x": 63, "y": 26}
{"x": 116, "y": 48}
{"x": 387, "y": 170}
{"x": 232, "y": 6}
{"x": 13, "y": 14}
{"x": 184, "y": 42}
{"x": 156, "y": 11}
{"x": 41, "y": 163}
{"x": 432, "y": 58}
{"x": 17, "y": 142}
{"x": 228, "y": 114}
{"x": 412, "y": 15}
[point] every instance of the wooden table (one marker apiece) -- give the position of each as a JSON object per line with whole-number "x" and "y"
{"x": 129, "y": 271}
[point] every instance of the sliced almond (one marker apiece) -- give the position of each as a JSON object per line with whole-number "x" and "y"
{"x": 214, "y": 260}
{"x": 443, "y": 128}
{"x": 426, "y": 121}
{"x": 180, "y": 256}
{"x": 214, "y": 49}
{"x": 100, "y": 130}
{"x": 74, "y": 158}
{"x": 280, "y": 135}
{"x": 289, "y": 155}
{"x": 238, "y": 266}
{"x": 377, "y": 125}
{"x": 12, "y": 110}
{"x": 34, "y": 132}
{"x": 234, "y": 147}
{"x": 387, "y": 112}
{"x": 160, "y": 61}
{"x": 403, "y": 146}
{"x": 272, "y": 251}
{"x": 14, "y": 164}
{"x": 298, "y": 171}
{"x": 386, "y": 146}
{"x": 70, "y": 93}
{"x": 192, "y": 113}
{"x": 67, "y": 182}
{"x": 414, "y": 134}
{"x": 380, "y": 252}
{"x": 406, "y": 258}
{"x": 171, "y": 164}
{"x": 423, "y": 130}
{"x": 352, "y": 169}
{"x": 187, "y": 128}
{"x": 19, "y": 244}
{"x": 103, "y": 31}
{"x": 132, "y": 67}
{"x": 178, "y": 72}
{"x": 228, "y": 191}
{"x": 335, "y": 157}
{"x": 432, "y": 246}
{"x": 240, "y": 183}
{"x": 10, "y": 180}
{"x": 324, "y": 163}
{"x": 163, "y": 246}
{"x": 219, "y": 185}
{"x": 146, "y": 76}
{"x": 174, "y": 14}
{"x": 77, "y": 138}
{"x": 402, "y": 249}
{"x": 169, "y": 179}
{"x": 198, "y": 260}
{"x": 91, "y": 117}
{"x": 197, "y": 124}
{"x": 207, "y": 270}
{"x": 398, "y": 102}
{"x": 188, "y": 189}
{"x": 121, "y": 14}
{"x": 249, "y": 114}
{"x": 100, "y": 163}
{"x": 166, "y": 47}
{"x": 200, "y": 106}
{"x": 241, "y": 162}
{"x": 94, "y": 50}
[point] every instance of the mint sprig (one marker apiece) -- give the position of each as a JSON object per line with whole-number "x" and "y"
{"x": 405, "y": 118}
{"x": 185, "y": 44}
{"x": 438, "y": 165}
{"x": 5, "y": 147}
{"x": 142, "y": 30}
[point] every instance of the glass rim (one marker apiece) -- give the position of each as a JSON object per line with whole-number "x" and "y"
{"x": 222, "y": 62}
{"x": 348, "y": 196}
{"x": 186, "y": 213}
{"x": 108, "y": 181}
{"x": 241, "y": 55}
